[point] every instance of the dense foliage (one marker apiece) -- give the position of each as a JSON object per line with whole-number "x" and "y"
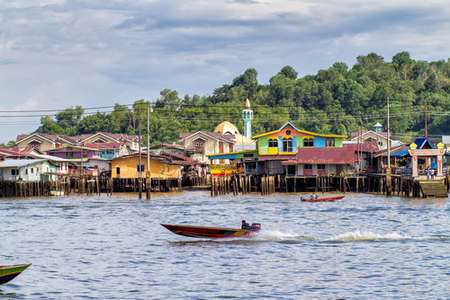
{"x": 339, "y": 100}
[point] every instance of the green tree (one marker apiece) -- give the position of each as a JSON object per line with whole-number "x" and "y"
{"x": 48, "y": 125}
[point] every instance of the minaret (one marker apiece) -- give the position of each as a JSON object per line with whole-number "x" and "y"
{"x": 378, "y": 127}
{"x": 247, "y": 116}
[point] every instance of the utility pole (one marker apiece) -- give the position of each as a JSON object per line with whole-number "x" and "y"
{"x": 140, "y": 163}
{"x": 358, "y": 149}
{"x": 425, "y": 113}
{"x": 148, "y": 183}
{"x": 388, "y": 170}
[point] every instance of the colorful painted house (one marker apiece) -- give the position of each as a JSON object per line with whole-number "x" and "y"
{"x": 75, "y": 152}
{"x": 236, "y": 163}
{"x": 283, "y": 144}
{"x": 111, "y": 150}
{"x": 287, "y": 140}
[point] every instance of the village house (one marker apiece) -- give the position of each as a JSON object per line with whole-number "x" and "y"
{"x": 126, "y": 170}
{"x": 345, "y": 160}
{"x": 114, "y": 144}
{"x": 376, "y": 135}
{"x": 17, "y": 153}
{"x": 87, "y": 154}
{"x": 204, "y": 143}
{"x": 28, "y": 170}
{"x": 109, "y": 151}
{"x": 43, "y": 142}
{"x": 284, "y": 144}
{"x": 194, "y": 172}
{"x": 225, "y": 138}
{"x": 111, "y": 144}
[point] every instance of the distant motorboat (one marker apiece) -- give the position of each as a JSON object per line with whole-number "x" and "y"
{"x": 323, "y": 199}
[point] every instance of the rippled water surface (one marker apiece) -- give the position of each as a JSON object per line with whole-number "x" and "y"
{"x": 364, "y": 247}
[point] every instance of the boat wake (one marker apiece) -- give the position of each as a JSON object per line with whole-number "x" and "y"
{"x": 287, "y": 237}
{"x": 365, "y": 236}
{"x": 280, "y": 236}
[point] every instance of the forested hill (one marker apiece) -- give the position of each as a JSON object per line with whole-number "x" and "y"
{"x": 339, "y": 99}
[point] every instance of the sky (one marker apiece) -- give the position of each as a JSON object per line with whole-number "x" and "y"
{"x": 59, "y": 53}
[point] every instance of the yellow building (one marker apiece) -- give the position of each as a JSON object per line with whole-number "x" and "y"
{"x": 127, "y": 167}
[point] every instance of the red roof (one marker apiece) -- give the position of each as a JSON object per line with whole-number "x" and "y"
{"x": 330, "y": 156}
{"x": 370, "y": 147}
{"x": 15, "y": 152}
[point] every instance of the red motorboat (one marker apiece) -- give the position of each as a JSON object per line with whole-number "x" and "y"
{"x": 213, "y": 232}
{"x": 323, "y": 199}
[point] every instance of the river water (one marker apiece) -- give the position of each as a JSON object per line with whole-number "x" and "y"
{"x": 364, "y": 247}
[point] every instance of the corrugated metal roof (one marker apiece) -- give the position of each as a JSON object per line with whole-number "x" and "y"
{"x": 17, "y": 163}
{"x": 400, "y": 153}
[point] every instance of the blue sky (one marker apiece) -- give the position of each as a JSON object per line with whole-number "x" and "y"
{"x": 58, "y": 53}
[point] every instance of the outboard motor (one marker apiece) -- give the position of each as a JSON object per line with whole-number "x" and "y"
{"x": 256, "y": 227}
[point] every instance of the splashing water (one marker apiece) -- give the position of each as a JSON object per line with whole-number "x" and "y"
{"x": 277, "y": 235}
{"x": 359, "y": 235}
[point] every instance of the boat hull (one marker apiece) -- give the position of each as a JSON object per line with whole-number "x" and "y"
{"x": 208, "y": 232}
{"x": 8, "y": 273}
{"x": 325, "y": 199}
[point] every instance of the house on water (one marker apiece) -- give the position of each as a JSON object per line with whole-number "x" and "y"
{"x": 284, "y": 144}
{"x": 29, "y": 170}
{"x": 126, "y": 170}
{"x": 348, "y": 159}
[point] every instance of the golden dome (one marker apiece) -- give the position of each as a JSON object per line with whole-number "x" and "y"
{"x": 226, "y": 127}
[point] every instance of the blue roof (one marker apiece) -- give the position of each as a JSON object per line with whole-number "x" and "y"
{"x": 400, "y": 153}
{"x": 421, "y": 141}
{"x": 224, "y": 156}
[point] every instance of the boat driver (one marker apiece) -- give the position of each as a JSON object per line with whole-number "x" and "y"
{"x": 245, "y": 225}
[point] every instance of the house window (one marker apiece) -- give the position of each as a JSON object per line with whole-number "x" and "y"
{"x": 140, "y": 168}
{"x": 118, "y": 170}
{"x": 321, "y": 167}
{"x": 14, "y": 172}
{"x": 26, "y": 172}
{"x": 220, "y": 147}
{"x": 330, "y": 143}
{"x": 308, "y": 142}
{"x": 199, "y": 145}
{"x": 288, "y": 132}
{"x": 291, "y": 170}
{"x": 34, "y": 144}
{"x": 31, "y": 170}
{"x": 230, "y": 147}
{"x": 287, "y": 145}
{"x": 273, "y": 143}
{"x": 307, "y": 167}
